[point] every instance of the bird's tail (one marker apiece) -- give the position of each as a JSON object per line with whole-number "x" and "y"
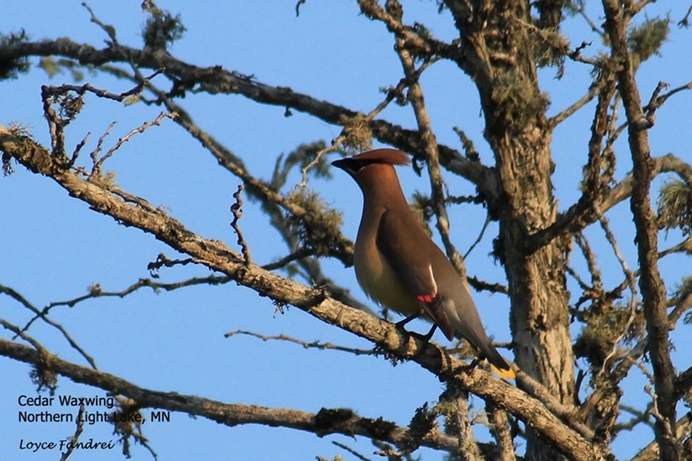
{"x": 498, "y": 363}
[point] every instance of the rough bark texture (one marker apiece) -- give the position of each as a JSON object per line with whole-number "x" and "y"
{"x": 519, "y": 134}
{"x": 216, "y": 255}
{"x": 650, "y": 282}
{"x": 500, "y": 47}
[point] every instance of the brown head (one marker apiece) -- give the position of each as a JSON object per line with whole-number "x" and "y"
{"x": 374, "y": 171}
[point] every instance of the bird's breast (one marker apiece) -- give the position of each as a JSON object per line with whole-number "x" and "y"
{"x": 379, "y": 281}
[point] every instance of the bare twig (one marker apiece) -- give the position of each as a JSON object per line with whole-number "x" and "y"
{"x": 657, "y": 99}
{"x": 638, "y": 418}
{"x": 230, "y": 414}
{"x": 655, "y": 102}
{"x": 592, "y": 24}
{"x": 99, "y": 144}
{"x": 78, "y": 148}
{"x": 75, "y": 437}
{"x": 299, "y": 254}
{"x": 630, "y": 280}
{"x": 685, "y": 22}
{"x": 107, "y": 28}
{"x": 480, "y": 285}
{"x": 578, "y": 104}
{"x": 590, "y": 258}
{"x": 95, "y": 291}
{"x": 140, "y": 129}
{"x": 668, "y": 432}
{"x": 305, "y": 344}
{"x": 480, "y": 236}
{"x": 237, "y": 211}
{"x": 38, "y": 314}
{"x": 51, "y": 91}
{"x": 683, "y": 247}
{"x": 350, "y": 450}
{"x": 582, "y": 284}
{"x": 682, "y": 304}
{"x": 18, "y": 333}
{"x": 332, "y": 148}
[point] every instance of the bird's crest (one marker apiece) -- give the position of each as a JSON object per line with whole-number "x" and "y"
{"x": 391, "y": 156}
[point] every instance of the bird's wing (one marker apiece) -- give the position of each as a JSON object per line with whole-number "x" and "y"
{"x": 396, "y": 238}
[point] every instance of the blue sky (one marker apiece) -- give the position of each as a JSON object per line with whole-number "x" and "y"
{"x": 55, "y": 247}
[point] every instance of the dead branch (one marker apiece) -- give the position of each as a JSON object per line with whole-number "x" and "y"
{"x": 75, "y": 437}
{"x": 237, "y": 211}
{"x": 576, "y": 217}
{"x": 218, "y": 257}
{"x": 307, "y": 345}
{"x": 652, "y": 287}
{"x": 629, "y": 276}
{"x": 429, "y": 141}
{"x": 214, "y": 80}
{"x": 323, "y": 423}
{"x": 95, "y": 291}
{"x": 39, "y": 314}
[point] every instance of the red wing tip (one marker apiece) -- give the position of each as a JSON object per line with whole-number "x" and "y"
{"x": 425, "y": 298}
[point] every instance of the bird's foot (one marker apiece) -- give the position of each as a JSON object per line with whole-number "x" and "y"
{"x": 402, "y": 323}
{"x": 425, "y": 338}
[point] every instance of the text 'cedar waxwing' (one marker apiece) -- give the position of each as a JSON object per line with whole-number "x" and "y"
{"x": 400, "y": 267}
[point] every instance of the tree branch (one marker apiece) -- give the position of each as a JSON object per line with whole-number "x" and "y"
{"x": 651, "y": 285}
{"x": 429, "y": 141}
{"x": 578, "y": 217}
{"x": 307, "y": 345}
{"x": 215, "y": 80}
{"x": 217, "y": 256}
{"x": 323, "y": 423}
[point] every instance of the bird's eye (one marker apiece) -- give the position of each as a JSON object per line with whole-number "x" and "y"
{"x": 359, "y": 164}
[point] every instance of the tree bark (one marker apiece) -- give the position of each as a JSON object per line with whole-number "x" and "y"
{"x": 216, "y": 255}
{"x": 645, "y": 221}
{"x": 497, "y": 56}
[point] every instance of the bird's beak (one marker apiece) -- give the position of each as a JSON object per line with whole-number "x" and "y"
{"x": 341, "y": 163}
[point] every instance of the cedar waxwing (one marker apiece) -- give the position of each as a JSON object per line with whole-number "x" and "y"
{"x": 399, "y": 266}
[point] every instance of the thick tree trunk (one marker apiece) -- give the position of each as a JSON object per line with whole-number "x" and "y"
{"x": 498, "y": 56}
{"x": 539, "y": 298}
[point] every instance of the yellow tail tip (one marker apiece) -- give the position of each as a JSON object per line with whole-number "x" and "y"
{"x": 506, "y": 373}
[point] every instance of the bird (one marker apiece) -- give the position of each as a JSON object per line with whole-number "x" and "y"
{"x": 399, "y": 266}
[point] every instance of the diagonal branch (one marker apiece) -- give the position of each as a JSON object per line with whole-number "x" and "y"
{"x": 429, "y": 140}
{"x": 39, "y": 314}
{"x": 578, "y": 104}
{"x": 325, "y": 422}
{"x": 215, "y": 80}
{"x": 217, "y": 256}
{"x": 95, "y": 291}
{"x": 578, "y": 216}
{"x": 651, "y": 285}
{"x": 307, "y": 345}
